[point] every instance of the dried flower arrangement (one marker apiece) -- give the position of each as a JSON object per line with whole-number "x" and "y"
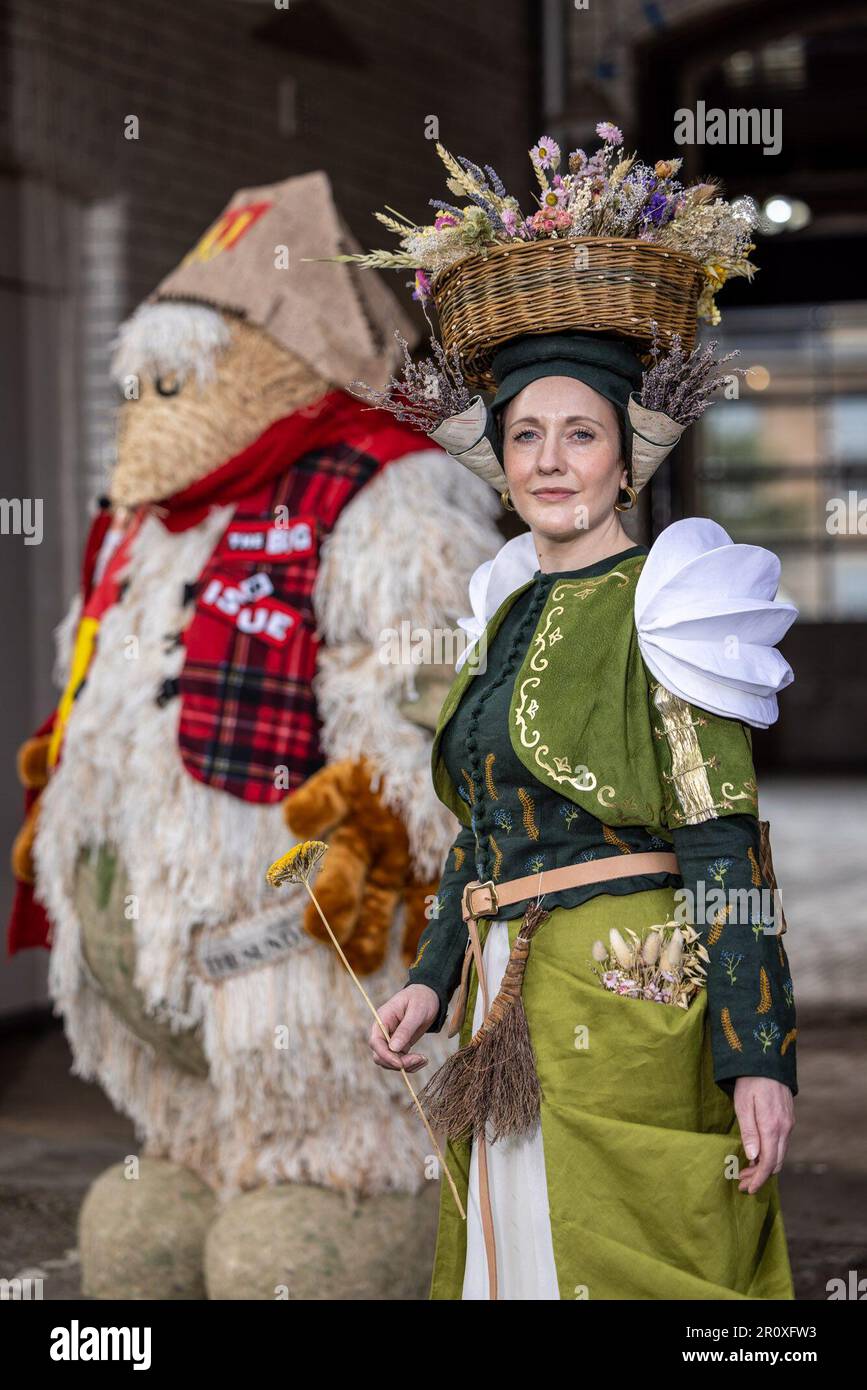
{"x": 681, "y": 384}
{"x": 433, "y": 389}
{"x": 428, "y": 391}
{"x": 666, "y": 967}
{"x": 606, "y": 194}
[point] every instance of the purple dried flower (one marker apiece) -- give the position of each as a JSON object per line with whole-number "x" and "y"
{"x": 449, "y": 208}
{"x": 422, "y": 286}
{"x": 611, "y": 134}
{"x": 546, "y": 154}
{"x": 657, "y": 210}
{"x": 473, "y": 170}
{"x": 496, "y": 182}
{"x": 428, "y": 392}
{"x": 681, "y": 384}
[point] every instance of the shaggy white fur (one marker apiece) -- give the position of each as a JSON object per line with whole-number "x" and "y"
{"x": 292, "y": 1092}
{"x": 162, "y": 338}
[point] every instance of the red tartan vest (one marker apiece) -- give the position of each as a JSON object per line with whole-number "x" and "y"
{"x": 248, "y": 721}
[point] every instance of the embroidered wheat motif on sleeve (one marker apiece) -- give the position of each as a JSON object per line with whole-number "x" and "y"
{"x": 717, "y": 925}
{"x": 764, "y": 992}
{"x": 732, "y": 1038}
{"x": 498, "y": 857}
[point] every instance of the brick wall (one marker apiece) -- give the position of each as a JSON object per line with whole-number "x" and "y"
{"x": 214, "y": 86}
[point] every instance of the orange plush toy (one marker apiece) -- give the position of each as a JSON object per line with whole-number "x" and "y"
{"x": 33, "y": 775}
{"x": 367, "y": 867}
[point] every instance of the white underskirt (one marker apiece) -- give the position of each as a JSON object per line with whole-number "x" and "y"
{"x": 518, "y": 1186}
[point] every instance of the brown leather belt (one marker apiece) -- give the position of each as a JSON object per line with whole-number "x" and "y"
{"x": 485, "y": 900}
{"x": 515, "y": 890}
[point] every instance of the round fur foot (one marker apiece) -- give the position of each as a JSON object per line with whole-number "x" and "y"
{"x": 142, "y": 1237}
{"x": 299, "y": 1242}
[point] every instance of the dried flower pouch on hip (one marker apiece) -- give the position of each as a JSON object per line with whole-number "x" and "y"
{"x": 667, "y": 966}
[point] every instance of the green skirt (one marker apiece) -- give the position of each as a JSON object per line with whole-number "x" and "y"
{"x": 642, "y": 1149}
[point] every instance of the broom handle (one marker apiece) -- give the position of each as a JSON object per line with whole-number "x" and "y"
{"x": 384, "y": 1031}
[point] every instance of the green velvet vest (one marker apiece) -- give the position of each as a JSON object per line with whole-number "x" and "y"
{"x": 588, "y": 719}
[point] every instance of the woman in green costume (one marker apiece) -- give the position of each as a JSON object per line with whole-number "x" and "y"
{"x": 600, "y": 754}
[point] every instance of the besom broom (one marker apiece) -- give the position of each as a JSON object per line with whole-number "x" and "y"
{"x": 492, "y": 1083}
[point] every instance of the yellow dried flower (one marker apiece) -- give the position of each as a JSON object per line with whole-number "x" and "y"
{"x": 619, "y": 172}
{"x": 297, "y": 865}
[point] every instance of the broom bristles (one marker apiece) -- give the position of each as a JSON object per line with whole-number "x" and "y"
{"x": 445, "y": 1097}
{"x": 505, "y": 1093}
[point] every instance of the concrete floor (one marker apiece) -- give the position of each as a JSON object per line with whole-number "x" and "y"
{"x": 58, "y": 1133}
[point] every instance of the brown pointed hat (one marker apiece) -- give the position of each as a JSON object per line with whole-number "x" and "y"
{"x": 251, "y": 261}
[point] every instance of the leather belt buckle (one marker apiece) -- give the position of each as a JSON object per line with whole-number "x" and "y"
{"x": 467, "y": 907}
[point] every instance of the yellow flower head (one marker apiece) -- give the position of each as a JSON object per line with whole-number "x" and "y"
{"x": 297, "y": 865}
{"x": 716, "y": 273}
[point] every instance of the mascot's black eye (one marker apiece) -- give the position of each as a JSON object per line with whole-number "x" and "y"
{"x": 168, "y": 385}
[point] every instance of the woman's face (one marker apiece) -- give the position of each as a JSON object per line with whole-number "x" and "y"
{"x": 561, "y": 450}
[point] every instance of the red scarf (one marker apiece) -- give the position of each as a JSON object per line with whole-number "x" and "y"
{"x": 336, "y": 418}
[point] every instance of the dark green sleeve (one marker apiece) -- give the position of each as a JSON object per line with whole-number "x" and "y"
{"x": 711, "y": 803}
{"x": 750, "y": 996}
{"x": 443, "y": 942}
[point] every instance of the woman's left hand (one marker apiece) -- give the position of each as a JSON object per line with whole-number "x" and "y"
{"x": 766, "y": 1114}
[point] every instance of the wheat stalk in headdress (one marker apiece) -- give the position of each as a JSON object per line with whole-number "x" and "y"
{"x": 296, "y": 867}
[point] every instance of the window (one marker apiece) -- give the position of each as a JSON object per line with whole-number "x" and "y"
{"x": 785, "y": 464}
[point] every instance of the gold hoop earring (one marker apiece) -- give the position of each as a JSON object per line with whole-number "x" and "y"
{"x": 507, "y": 501}
{"x": 627, "y": 506}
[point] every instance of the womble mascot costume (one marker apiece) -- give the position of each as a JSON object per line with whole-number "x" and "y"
{"x": 241, "y": 644}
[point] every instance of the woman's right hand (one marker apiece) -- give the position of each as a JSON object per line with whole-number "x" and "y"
{"x": 407, "y": 1015}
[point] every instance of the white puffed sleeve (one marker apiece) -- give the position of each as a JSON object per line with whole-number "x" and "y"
{"x": 708, "y": 620}
{"x": 514, "y": 564}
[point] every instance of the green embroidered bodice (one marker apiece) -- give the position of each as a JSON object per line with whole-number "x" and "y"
{"x": 522, "y": 822}
{"x": 561, "y": 746}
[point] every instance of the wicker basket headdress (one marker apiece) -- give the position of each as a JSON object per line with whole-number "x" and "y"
{"x": 616, "y": 251}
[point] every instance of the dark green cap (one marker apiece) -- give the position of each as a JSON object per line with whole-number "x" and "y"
{"x": 607, "y": 365}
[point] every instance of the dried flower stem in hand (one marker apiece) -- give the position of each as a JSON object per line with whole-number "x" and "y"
{"x": 296, "y": 867}
{"x": 681, "y": 384}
